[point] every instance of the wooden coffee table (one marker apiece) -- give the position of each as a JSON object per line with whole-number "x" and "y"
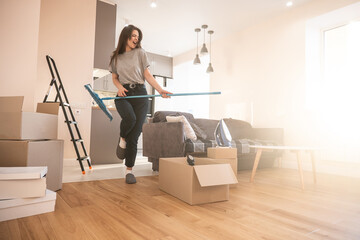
{"x": 294, "y": 149}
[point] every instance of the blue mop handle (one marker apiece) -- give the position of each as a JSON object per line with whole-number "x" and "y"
{"x": 158, "y": 95}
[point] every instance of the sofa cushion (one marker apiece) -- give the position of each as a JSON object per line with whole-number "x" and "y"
{"x": 208, "y": 126}
{"x": 160, "y": 116}
{"x": 189, "y": 132}
{"x": 198, "y": 131}
{"x": 239, "y": 129}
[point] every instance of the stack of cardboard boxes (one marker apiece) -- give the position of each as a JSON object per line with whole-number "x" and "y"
{"x": 207, "y": 181}
{"x": 30, "y": 138}
{"x": 23, "y": 192}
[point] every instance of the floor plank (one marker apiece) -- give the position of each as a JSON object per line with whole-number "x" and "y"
{"x": 273, "y": 207}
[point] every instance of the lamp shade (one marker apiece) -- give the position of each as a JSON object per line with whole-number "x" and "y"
{"x": 204, "y": 50}
{"x": 197, "y": 59}
{"x": 210, "y": 69}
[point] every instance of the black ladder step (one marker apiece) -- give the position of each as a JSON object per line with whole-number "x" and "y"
{"x": 71, "y": 122}
{"x": 83, "y": 158}
{"x": 65, "y": 104}
{"x": 77, "y": 140}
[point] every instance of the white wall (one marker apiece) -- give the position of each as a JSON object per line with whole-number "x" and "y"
{"x": 19, "y": 30}
{"x": 64, "y": 29}
{"x": 67, "y": 34}
{"x": 264, "y": 65}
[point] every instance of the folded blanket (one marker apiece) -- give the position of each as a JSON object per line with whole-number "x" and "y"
{"x": 242, "y": 145}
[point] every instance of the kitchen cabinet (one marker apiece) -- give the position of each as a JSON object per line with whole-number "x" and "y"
{"x": 105, "y": 28}
{"x": 105, "y": 83}
{"x": 104, "y": 137}
{"x": 160, "y": 65}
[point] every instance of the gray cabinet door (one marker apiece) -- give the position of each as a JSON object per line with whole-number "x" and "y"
{"x": 104, "y": 137}
{"x": 104, "y": 34}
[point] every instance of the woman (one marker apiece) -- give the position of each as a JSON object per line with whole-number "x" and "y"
{"x": 129, "y": 66}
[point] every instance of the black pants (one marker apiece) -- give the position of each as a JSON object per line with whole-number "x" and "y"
{"x": 133, "y": 113}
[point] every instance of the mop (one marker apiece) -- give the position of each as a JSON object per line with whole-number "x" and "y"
{"x": 103, "y": 107}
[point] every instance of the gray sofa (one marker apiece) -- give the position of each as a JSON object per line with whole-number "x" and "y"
{"x": 167, "y": 139}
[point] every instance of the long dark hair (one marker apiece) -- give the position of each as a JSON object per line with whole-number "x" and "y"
{"x": 125, "y": 35}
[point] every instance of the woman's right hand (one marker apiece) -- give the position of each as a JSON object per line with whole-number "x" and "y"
{"x": 164, "y": 93}
{"x": 122, "y": 91}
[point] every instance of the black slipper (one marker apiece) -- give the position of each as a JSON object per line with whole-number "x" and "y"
{"x": 130, "y": 178}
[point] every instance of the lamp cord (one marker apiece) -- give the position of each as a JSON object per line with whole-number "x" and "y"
{"x": 197, "y": 42}
{"x": 204, "y": 35}
{"x": 210, "y": 48}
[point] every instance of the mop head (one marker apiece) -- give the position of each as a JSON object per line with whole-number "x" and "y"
{"x": 99, "y": 102}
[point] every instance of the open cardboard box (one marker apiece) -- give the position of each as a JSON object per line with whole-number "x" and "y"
{"x": 15, "y": 124}
{"x": 22, "y": 153}
{"x": 224, "y": 155}
{"x": 206, "y": 182}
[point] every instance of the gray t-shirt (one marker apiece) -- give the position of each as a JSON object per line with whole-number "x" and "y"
{"x": 130, "y": 66}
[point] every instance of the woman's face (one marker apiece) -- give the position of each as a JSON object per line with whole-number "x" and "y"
{"x": 133, "y": 41}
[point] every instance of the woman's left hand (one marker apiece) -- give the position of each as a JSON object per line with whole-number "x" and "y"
{"x": 164, "y": 93}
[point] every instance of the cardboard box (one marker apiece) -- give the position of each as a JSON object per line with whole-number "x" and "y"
{"x": 224, "y": 155}
{"x": 222, "y": 152}
{"x": 203, "y": 183}
{"x": 15, "y": 124}
{"x": 23, "y": 153}
{"x": 22, "y": 182}
{"x": 24, "y": 207}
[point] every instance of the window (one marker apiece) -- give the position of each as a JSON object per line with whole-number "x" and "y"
{"x": 339, "y": 97}
{"x": 188, "y": 78}
{"x": 333, "y": 81}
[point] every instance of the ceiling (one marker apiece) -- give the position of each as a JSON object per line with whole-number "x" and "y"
{"x": 169, "y": 29}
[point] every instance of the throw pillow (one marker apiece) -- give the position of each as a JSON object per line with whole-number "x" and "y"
{"x": 239, "y": 129}
{"x": 160, "y": 116}
{"x": 198, "y": 131}
{"x": 189, "y": 132}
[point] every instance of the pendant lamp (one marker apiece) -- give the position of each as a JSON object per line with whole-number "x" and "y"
{"x": 204, "y": 50}
{"x": 210, "y": 69}
{"x": 197, "y": 59}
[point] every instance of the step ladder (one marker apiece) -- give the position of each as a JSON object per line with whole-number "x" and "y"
{"x": 66, "y": 108}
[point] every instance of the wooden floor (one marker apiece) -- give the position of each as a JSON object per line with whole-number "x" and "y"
{"x": 273, "y": 207}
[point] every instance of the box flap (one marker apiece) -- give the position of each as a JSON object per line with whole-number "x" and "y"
{"x": 215, "y": 174}
{"x": 50, "y": 108}
{"x": 11, "y": 104}
{"x": 17, "y": 173}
